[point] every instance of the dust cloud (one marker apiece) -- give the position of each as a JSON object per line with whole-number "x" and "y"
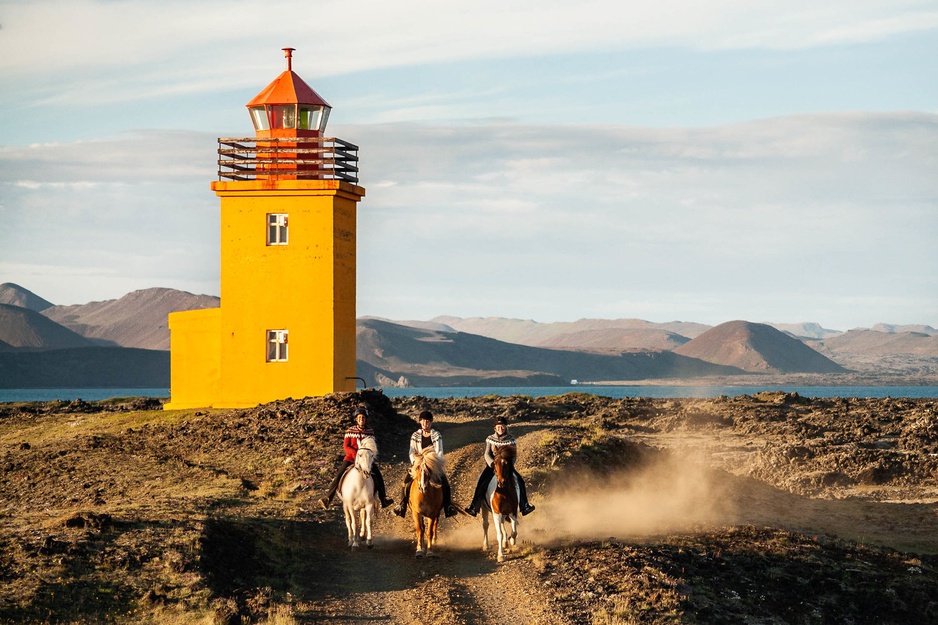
{"x": 668, "y": 496}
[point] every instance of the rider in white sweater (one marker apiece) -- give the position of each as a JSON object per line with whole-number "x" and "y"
{"x": 425, "y": 437}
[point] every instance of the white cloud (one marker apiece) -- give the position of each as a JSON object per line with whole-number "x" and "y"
{"x": 782, "y": 219}
{"x": 139, "y": 49}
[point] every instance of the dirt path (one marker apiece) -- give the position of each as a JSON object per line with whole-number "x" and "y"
{"x": 460, "y": 585}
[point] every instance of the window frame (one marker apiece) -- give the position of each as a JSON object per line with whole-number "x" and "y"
{"x": 277, "y": 345}
{"x": 278, "y": 229}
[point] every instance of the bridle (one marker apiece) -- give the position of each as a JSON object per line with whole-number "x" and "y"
{"x": 361, "y": 466}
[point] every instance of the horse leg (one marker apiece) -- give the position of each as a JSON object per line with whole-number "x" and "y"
{"x": 431, "y": 534}
{"x": 485, "y": 528}
{"x": 418, "y": 522}
{"x": 352, "y": 526}
{"x": 513, "y": 538}
{"x": 367, "y": 520}
{"x": 499, "y": 535}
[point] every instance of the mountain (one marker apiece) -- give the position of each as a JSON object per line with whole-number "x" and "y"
{"x": 895, "y": 329}
{"x": 558, "y": 334}
{"x": 86, "y": 367}
{"x": 23, "y": 328}
{"x": 139, "y": 319}
{"x": 400, "y": 354}
{"x": 757, "y": 348}
{"x": 16, "y": 295}
{"x": 881, "y": 344}
{"x": 441, "y": 352}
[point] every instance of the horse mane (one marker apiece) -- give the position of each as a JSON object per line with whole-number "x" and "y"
{"x": 428, "y": 460}
{"x": 370, "y": 444}
{"x": 508, "y": 452}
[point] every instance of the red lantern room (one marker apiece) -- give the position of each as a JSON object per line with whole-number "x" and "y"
{"x": 288, "y": 107}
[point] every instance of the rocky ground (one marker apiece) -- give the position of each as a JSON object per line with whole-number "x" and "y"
{"x": 763, "y": 509}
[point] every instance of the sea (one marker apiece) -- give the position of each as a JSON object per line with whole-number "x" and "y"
{"x": 617, "y": 391}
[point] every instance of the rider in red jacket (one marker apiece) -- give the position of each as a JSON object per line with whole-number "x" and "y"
{"x": 353, "y": 436}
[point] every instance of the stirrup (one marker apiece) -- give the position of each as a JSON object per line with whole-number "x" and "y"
{"x": 399, "y": 511}
{"x": 528, "y": 509}
{"x": 471, "y": 511}
{"x": 450, "y": 511}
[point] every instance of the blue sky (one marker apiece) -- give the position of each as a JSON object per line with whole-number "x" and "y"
{"x": 768, "y": 161}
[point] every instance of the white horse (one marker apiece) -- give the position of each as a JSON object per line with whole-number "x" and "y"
{"x": 501, "y": 499}
{"x": 357, "y": 492}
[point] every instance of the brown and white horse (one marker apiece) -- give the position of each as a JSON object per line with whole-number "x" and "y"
{"x": 501, "y": 500}
{"x": 426, "y": 498}
{"x": 357, "y": 492}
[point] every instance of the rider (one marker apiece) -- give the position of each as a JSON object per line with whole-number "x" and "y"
{"x": 354, "y": 436}
{"x": 425, "y": 437}
{"x": 500, "y": 438}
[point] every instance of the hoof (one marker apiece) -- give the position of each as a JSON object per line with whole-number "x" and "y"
{"x": 501, "y": 558}
{"x": 512, "y": 541}
{"x": 370, "y": 545}
{"x": 419, "y": 554}
{"x": 432, "y": 554}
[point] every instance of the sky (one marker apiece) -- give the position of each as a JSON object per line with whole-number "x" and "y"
{"x": 772, "y": 161}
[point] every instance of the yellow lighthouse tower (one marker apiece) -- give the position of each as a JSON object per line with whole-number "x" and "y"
{"x": 286, "y": 324}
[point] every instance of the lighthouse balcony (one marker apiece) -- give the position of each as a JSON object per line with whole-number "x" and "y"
{"x": 287, "y": 158}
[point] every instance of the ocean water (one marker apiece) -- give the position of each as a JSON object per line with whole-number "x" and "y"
{"x": 69, "y": 394}
{"x": 669, "y": 391}
{"x": 96, "y": 394}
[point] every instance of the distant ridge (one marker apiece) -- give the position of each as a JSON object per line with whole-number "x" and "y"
{"x": 86, "y": 367}
{"x": 16, "y": 295}
{"x": 880, "y": 344}
{"x": 895, "y": 329}
{"x": 139, "y": 319}
{"x": 440, "y": 352}
{"x": 401, "y": 355}
{"x": 23, "y": 328}
{"x": 757, "y": 348}
{"x": 557, "y": 334}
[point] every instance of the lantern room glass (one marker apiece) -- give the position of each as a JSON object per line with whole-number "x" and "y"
{"x": 313, "y": 117}
{"x": 259, "y": 118}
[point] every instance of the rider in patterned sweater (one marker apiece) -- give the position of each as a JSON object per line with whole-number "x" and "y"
{"x": 494, "y": 441}
{"x": 353, "y": 436}
{"x": 425, "y": 437}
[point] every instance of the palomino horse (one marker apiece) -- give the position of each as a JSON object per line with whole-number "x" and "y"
{"x": 501, "y": 499}
{"x": 357, "y": 492}
{"x": 426, "y": 498}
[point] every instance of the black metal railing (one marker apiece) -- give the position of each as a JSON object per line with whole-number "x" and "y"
{"x": 292, "y": 158}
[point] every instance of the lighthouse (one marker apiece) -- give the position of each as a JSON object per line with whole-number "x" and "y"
{"x": 286, "y": 325}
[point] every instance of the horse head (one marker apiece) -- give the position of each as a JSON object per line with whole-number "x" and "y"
{"x": 428, "y": 468}
{"x": 504, "y": 463}
{"x": 367, "y": 450}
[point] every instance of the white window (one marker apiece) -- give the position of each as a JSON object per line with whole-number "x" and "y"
{"x": 276, "y": 345}
{"x": 276, "y": 229}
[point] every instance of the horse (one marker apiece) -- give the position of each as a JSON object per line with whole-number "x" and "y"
{"x": 501, "y": 499}
{"x": 357, "y": 492}
{"x": 426, "y": 498}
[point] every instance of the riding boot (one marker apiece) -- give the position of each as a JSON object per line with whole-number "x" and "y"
{"x": 448, "y": 509}
{"x": 482, "y": 485}
{"x": 327, "y": 499}
{"x": 379, "y": 487}
{"x": 523, "y": 504}
{"x": 401, "y": 508}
